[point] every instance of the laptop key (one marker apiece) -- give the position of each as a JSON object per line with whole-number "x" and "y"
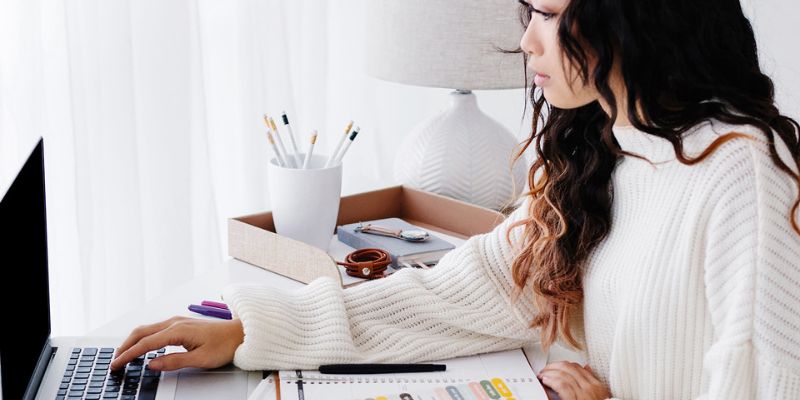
{"x": 110, "y": 395}
{"x": 148, "y": 389}
{"x": 90, "y": 350}
{"x": 62, "y": 392}
{"x": 92, "y": 397}
{"x": 151, "y": 373}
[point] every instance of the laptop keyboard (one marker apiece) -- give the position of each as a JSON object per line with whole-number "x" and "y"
{"x": 88, "y": 376}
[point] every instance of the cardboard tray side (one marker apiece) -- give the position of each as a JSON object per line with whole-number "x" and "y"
{"x": 264, "y": 248}
{"x": 252, "y": 238}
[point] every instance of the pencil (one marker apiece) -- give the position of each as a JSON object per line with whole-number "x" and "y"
{"x": 275, "y": 149}
{"x": 333, "y": 157}
{"x": 310, "y": 150}
{"x": 296, "y": 155}
{"x": 289, "y": 161}
{"x": 349, "y": 142}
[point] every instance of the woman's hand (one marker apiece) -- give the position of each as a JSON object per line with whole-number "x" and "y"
{"x": 209, "y": 344}
{"x": 571, "y": 381}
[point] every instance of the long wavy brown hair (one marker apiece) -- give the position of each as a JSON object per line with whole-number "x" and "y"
{"x": 682, "y": 62}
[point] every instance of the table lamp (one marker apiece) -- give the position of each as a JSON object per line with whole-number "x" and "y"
{"x": 461, "y": 152}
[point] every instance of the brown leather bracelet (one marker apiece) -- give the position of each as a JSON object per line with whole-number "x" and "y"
{"x": 367, "y": 263}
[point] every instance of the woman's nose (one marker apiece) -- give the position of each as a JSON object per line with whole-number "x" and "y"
{"x": 530, "y": 43}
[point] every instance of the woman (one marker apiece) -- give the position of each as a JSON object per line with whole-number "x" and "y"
{"x": 660, "y": 237}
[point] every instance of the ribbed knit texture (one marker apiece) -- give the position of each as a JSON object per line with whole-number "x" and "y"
{"x": 695, "y": 293}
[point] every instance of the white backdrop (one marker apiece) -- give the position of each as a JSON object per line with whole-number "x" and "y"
{"x": 151, "y": 116}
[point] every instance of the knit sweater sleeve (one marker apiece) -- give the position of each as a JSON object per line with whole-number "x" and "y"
{"x": 462, "y": 306}
{"x": 752, "y": 282}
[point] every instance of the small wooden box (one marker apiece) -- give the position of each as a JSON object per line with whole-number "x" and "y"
{"x": 252, "y": 238}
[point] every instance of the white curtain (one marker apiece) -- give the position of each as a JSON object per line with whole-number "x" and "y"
{"x": 151, "y": 114}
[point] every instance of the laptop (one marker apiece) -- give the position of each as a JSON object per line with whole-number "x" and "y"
{"x": 34, "y": 365}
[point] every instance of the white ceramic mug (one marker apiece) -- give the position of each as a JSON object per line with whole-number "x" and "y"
{"x": 305, "y": 202}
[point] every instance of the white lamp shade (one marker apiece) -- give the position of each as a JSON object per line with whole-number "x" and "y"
{"x": 445, "y": 43}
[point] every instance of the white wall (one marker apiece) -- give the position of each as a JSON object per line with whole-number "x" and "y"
{"x": 777, "y": 30}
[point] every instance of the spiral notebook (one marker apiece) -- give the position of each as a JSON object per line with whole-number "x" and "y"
{"x": 501, "y": 375}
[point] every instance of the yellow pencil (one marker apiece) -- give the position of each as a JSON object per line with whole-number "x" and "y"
{"x": 333, "y": 157}
{"x": 275, "y": 149}
{"x": 271, "y": 124}
{"x": 310, "y": 149}
{"x": 347, "y": 146}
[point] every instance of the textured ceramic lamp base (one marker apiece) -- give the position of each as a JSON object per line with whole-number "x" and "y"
{"x": 463, "y": 154}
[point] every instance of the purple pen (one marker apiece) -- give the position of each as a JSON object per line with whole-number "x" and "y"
{"x": 214, "y": 304}
{"x": 210, "y": 311}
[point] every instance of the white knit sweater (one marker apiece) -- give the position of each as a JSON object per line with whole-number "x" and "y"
{"x": 695, "y": 293}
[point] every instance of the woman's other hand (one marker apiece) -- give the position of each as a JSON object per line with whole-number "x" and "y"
{"x": 209, "y": 344}
{"x": 571, "y": 381}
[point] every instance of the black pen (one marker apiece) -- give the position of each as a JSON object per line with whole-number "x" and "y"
{"x": 344, "y": 369}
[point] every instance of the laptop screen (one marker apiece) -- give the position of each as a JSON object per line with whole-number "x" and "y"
{"x": 24, "y": 285}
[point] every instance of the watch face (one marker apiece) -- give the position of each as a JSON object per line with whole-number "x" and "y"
{"x": 414, "y": 235}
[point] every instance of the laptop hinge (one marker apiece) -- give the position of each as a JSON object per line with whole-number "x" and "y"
{"x": 47, "y": 354}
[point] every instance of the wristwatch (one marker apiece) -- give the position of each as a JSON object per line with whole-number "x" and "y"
{"x": 411, "y": 235}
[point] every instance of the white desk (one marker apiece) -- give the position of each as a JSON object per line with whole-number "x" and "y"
{"x": 203, "y": 287}
{"x": 209, "y": 287}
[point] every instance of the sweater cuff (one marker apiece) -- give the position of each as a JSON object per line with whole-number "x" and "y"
{"x": 286, "y": 329}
